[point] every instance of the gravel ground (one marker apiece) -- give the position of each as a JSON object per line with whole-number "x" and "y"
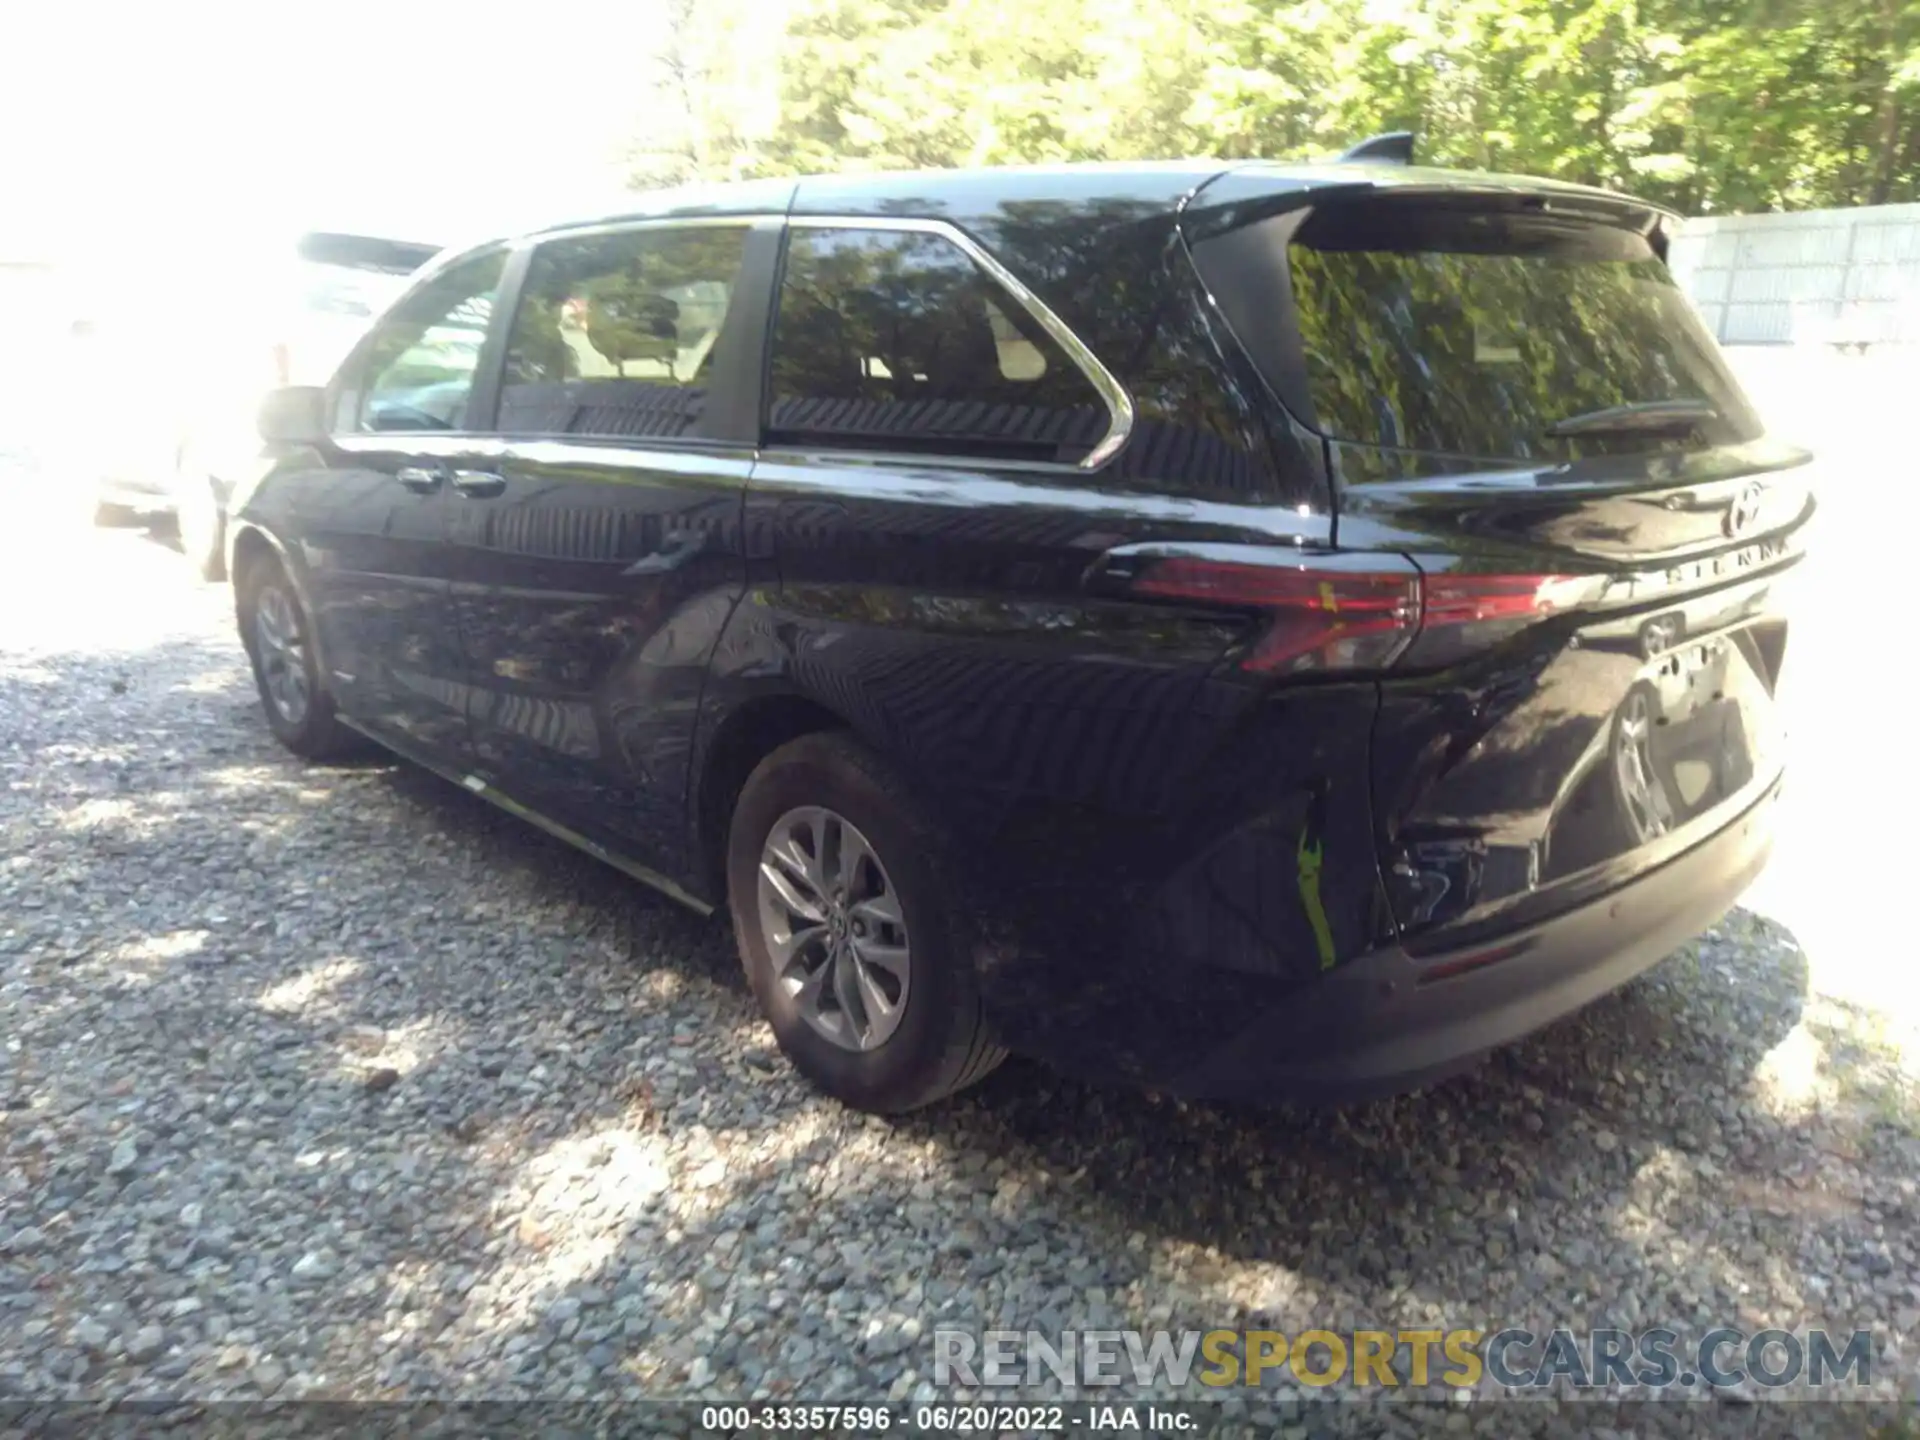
{"x": 333, "y": 1082}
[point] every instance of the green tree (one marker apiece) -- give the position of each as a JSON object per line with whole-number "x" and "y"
{"x": 1706, "y": 104}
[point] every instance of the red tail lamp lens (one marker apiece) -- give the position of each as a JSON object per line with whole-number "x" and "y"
{"x": 1321, "y": 619}
{"x": 1329, "y": 620}
{"x": 1468, "y": 599}
{"x": 1463, "y": 615}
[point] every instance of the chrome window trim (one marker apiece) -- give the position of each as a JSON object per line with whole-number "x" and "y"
{"x": 527, "y": 248}
{"x": 1118, "y": 402}
{"x": 533, "y": 239}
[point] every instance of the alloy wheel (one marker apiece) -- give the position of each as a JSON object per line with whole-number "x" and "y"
{"x": 280, "y": 646}
{"x": 833, "y": 926}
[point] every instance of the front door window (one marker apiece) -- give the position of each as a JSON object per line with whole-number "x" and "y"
{"x": 419, "y": 367}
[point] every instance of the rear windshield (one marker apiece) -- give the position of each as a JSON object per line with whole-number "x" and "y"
{"x": 1480, "y": 333}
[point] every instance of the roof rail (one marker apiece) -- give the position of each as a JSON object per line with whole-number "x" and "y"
{"x": 1393, "y": 148}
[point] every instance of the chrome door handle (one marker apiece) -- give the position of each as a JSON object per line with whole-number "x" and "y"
{"x": 478, "y": 484}
{"x": 421, "y": 479}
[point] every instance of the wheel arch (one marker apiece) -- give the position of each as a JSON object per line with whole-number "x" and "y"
{"x": 744, "y": 737}
{"x": 248, "y": 547}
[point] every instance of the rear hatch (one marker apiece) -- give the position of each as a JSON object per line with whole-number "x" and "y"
{"x": 1514, "y": 396}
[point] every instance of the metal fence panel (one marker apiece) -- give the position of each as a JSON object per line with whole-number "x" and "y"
{"x": 1812, "y": 277}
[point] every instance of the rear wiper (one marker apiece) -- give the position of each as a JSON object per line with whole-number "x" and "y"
{"x": 1647, "y": 416}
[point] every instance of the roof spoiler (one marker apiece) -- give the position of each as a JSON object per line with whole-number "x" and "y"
{"x": 1393, "y": 148}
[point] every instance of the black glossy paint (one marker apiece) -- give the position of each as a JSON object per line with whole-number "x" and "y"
{"x": 588, "y": 596}
{"x": 373, "y": 547}
{"x": 1495, "y": 793}
{"x": 1179, "y": 864}
{"x": 1112, "y": 784}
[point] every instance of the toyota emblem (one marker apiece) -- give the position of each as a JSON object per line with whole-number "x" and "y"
{"x": 1744, "y": 513}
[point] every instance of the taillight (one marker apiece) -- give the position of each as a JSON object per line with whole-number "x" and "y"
{"x": 1350, "y": 612}
{"x": 282, "y": 366}
{"x": 1462, "y": 614}
{"x": 1469, "y": 599}
{"x": 1321, "y": 620}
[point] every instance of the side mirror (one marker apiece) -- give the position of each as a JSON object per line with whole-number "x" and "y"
{"x": 293, "y": 415}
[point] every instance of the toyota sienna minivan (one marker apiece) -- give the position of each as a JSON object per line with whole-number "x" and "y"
{"x": 1240, "y": 629}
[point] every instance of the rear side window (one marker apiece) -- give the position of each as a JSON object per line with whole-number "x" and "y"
{"x": 897, "y": 340}
{"x": 1483, "y": 334}
{"x": 616, "y": 335}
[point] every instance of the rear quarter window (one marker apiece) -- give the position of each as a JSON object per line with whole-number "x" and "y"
{"x": 899, "y": 340}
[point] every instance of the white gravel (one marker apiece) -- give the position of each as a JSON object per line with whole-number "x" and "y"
{"x": 334, "y": 1082}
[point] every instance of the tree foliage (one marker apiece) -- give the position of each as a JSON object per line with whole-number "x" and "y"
{"x": 1709, "y": 105}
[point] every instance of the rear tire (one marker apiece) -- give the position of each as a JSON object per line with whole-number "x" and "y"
{"x": 277, "y": 634}
{"x": 919, "y": 1034}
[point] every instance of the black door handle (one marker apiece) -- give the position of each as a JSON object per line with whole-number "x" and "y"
{"x": 421, "y": 479}
{"x": 478, "y": 484}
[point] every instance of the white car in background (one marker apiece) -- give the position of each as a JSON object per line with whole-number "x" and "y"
{"x": 181, "y": 359}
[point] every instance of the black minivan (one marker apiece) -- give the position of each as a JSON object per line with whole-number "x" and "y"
{"x": 1244, "y": 630}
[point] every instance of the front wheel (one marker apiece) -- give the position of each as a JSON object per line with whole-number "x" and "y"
{"x": 851, "y": 929}
{"x": 278, "y": 636}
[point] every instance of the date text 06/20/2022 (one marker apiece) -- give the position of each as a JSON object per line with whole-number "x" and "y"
{"x": 963, "y": 1418}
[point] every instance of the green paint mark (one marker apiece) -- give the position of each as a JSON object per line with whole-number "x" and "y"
{"x": 1309, "y": 858}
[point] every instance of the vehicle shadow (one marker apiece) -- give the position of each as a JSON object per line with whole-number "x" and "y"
{"x": 638, "y": 920}
{"x": 1546, "y": 1134}
{"x": 614, "y": 1131}
{"x": 1286, "y": 1213}
{"x": 1601, "y": 1146}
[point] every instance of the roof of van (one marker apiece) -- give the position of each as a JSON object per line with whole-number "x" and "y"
{"x": 1121, "y": 190}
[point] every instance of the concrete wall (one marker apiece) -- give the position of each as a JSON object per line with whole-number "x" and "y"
{"x": 1818, "y": 277}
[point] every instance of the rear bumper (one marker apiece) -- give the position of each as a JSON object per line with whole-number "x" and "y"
{"x": 1388, "y": 1022}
